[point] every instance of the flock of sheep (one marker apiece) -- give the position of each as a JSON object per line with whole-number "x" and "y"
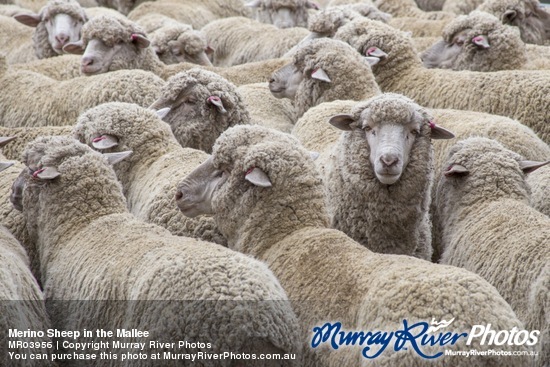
{"x": 274, "y": 165}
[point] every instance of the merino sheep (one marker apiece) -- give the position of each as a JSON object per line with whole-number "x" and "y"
{"x": 201, "y": 106}
{"x": 322, "y": 71}
{"x": 489, "y": 228}
{"x": 239, "y": 40}
{"x": 180, "y": 43}
{"x": 283, "y": 13}
{"x": 378, "y": 176}
{"x": 197, "y": 14}
{"x": 267, "y": 199}
{"x": 57, "y": 23}
{"x": 110, "y": 44}
{"x": 31, "y": 99}
{"x": 400, "y": 70}
{"x": 533, "y": 21}
{"x": 183, "y": 289}
{"x": 151, "y": 173}
{"x": 480, "y": 42}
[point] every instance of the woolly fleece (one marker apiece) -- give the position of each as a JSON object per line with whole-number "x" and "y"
{"x": 141, "y": 262}
{"x": 490, "y": 229}
{"x": 31, "y": 99}
{"x": 240, "y": 40}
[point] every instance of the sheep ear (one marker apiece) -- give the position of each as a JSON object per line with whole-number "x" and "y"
{"x": 530, "y": 166}
{"x": 439, "y": 132}
{"x": 342, "y": 122}
{"x": 371, "y": 60}
{"x": 257, "y": 177}
{"x": 4, "y": 165}
{"x": 163, "y": 112}
{"x": 6, "y": 139}
{"x": 105, "y": 141}
{"x": 216, "y": 101}
{"x": 140, "y": 40}
{"x": 456, "y": 170}
{"x": 28, "y": 19}
{"x": 76, "y": 48}
{"x": 114, "y": 158}
{"x": 46, "y": 173}
{"x": 312, "y": 5}
{"x": 509, "y": 16}
{"x": 376, "y": 52}
{"x": 320, "y": 74}
{"x": 481, "y": 41}
{"x": 253, "y": 4}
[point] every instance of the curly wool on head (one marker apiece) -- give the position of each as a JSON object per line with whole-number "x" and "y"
{"x": 199, "y": 127}
{"x": 194, "y": 42}
{"x": 110, "y": 30}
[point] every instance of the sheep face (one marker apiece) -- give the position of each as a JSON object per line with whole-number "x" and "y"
{"x": 443, "y": 55}
{"x": 390, "y": 125}
{"x": 62, "y": 28}
{"x": 189, "y": 47}
{"x": 283, "y": 13}
{"x": 285, "y": 81}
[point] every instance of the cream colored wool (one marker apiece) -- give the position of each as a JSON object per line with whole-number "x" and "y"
{"x": 521, "y": 95}
{"x": 326, "y": 22}
{"x": 461, "y": 6}
{"x": 9, "y": 10}
{"x": 91, "y": 248}
{"x": 16, "y": 40}
{"x": 182, "y": 36}
{"x": 423, "y": 43}
{"x": 266, "y": 110}
{"x": 240, "y": 40}
{"x": 31, "y": 99}
{"x": 190, "y": 12}
{"x": 266, "y": 11}
{"x": 63, "y": 67}
{"x": 408, "y": 8}
{"x": 150, "y": 175}
{"x": 24, "y": 135}
{"x": 21, "y": 305}
{"x": 419, "y": 27}
{"x": 539, "y": 181}
{"x": 98, "y": 11}
{"x": 489, "y": 228}
{"x": 330, "y": 277}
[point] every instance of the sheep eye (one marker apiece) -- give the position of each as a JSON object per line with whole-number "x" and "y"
{"x": 415, "y": 132}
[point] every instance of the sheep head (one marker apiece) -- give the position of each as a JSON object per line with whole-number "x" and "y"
{"x": 391, "y": 125}
{"x": 61, "y": 19}
{"x": 109, "y": 44}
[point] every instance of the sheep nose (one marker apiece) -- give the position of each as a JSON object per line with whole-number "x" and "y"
{"x": 87, "y": 60}
{"x": 388, "y": 159}
{"x": 179, "y": 195}
{"x": 62, "y": 38}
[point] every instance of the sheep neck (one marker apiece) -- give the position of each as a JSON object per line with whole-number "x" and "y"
{"x": 254, "y": 235}
{"x": 403, "y": 65}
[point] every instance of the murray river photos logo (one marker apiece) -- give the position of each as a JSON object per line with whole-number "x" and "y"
{"x": 417, "y": 337}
